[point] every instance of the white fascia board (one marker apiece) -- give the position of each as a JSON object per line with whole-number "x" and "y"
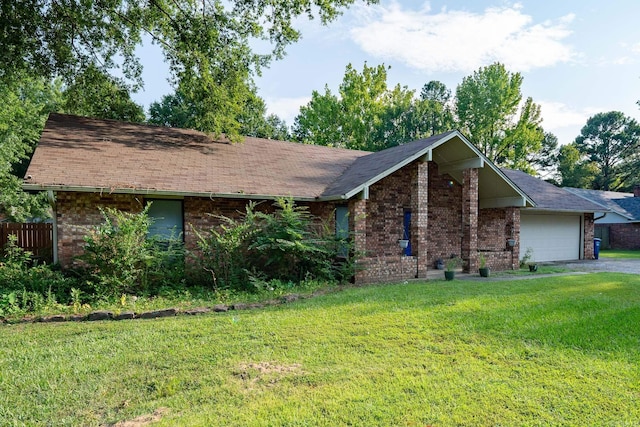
{"x": 543, "y": 210}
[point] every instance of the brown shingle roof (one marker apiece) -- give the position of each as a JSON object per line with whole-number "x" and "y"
{"x": 366, "y": 168}
{"x": 82, "y": 153}
{"x": 549, "y": 197}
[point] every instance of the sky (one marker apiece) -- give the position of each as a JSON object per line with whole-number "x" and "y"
{"x": 577, "y": 57}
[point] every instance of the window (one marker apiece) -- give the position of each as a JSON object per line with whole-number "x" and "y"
{"x": 167, "y": 218}
{"x": 342, "y": 227}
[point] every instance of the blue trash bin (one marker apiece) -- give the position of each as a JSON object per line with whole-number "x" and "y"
{"x": 596, "y": 248}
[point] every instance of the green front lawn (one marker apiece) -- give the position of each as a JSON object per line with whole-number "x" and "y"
{"x": 549, "y": 351}
{"x": 618, "y": 253}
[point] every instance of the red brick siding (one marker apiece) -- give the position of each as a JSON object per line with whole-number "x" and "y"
{"x": 381, "y": 226}
{"x": 77, "y": 212}
{"x": 470, "y": 219}
{"x": 588, "y": 236}
{"x": 494, "y": 228}
{"x": 445, "y": 216}
{"x": 623, "y": 236}
{"x": 420, "y": 217}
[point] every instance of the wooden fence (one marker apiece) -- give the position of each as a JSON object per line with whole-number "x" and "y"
{"x": 35, "y": 238}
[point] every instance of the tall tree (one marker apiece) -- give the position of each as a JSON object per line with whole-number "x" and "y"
{"x": 487, "y": 108}
{"x": 96, "y": 94}
{"x": 545, "y": 160}
{"x": 25, "y": 103}
{"x": 207, "y": 44}
{"x": 433, "y": 109}
{"x": 319, "y": 122}
{"x": 177, "y": 110}
{"x": 574, "y": 169}
{"x": 365, "y": 116}
{"x": 611, "y": 141}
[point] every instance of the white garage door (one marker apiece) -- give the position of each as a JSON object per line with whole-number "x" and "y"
{"x": 552, "y": 237}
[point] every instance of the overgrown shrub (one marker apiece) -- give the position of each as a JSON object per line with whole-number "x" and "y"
{"x": 287, "y": 245}
{"x": 122, "y": 259}
{"x": 223, "y": 250}
{"x": 28, "y": 286}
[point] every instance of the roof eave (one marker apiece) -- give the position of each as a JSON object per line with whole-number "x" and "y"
{"x": 538, "y": 209}
{"x": 162, "y": 193}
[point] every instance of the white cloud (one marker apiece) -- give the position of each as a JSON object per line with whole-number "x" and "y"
{"x": 563, "y": 121}
{"x": 286, "y": 108}
{"x": 462, "y": 41}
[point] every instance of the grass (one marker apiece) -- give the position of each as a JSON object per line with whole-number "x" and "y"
{"x": 619, "y": 253}
{"x": 548, "y": 351}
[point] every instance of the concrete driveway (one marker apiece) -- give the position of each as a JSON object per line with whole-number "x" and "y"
{"x": 604, "y": 264}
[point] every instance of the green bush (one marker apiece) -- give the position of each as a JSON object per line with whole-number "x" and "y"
{"x": 121, "y": 258}
{"x": 287, "y": 245}
{"x": 25, "y": 286}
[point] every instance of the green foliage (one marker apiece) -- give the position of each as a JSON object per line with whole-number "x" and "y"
{"x": 25, "y": 103}
{"x": 574, "y": 169}
{"x": 287, "y": 245}
{"x": 528, "y": 257}
{"x": 433, "y": 110}
{"x": 487, "y": 106}
{"x": 223, "y": 250}
{"x": 366, "y": 116}
{"x": 453, "y": 263}
{"x": 93, "y": 93}
{"x": 122, "y": 259}
{"x": 208, "y": 45}
{"x": 180, "y": 110}
{"x": 611, "y": 141}
{"x": 27, "y": 286}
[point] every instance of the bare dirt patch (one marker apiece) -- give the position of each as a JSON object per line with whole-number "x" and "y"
{"x": 144, "y": 420}
{"x": 265, "y": 373}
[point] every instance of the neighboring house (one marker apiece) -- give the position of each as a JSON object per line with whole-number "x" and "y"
{"x": 620, "y": 227}
{"x": 440, "y": 193}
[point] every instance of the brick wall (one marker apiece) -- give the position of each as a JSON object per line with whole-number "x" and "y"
{"x": 77, "y": 212}
{"x": 624, "y": 236}
{"x": 588, "y": 236}
{"x": 470, "y": 219}
{"x": 495, "y": 226}
{"x": 445, "y": 216}
{"x": 379, "y": 226}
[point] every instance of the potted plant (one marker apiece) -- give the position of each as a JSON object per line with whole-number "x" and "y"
{"x": 403, "y": 243}
{"x": 529, "y": 260}
{"x": 483, "y": 269}
{"x": 451, "y": 264}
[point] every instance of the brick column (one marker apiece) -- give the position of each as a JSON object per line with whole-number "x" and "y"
{"x": 419, "y": 217}
{"x": 588, "y": 250}
{"x": 470, "y": 219}
{"x": 358, "y": 223}
{"x": 513, "y": 231}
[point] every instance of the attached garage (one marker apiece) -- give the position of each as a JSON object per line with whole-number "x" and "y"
{"x": 552, "y": 237}
{"x": 560, "y": 225}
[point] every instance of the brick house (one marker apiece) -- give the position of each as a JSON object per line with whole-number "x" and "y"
{"x": 440, "y": 193}
{"x": 619, "y": 228}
